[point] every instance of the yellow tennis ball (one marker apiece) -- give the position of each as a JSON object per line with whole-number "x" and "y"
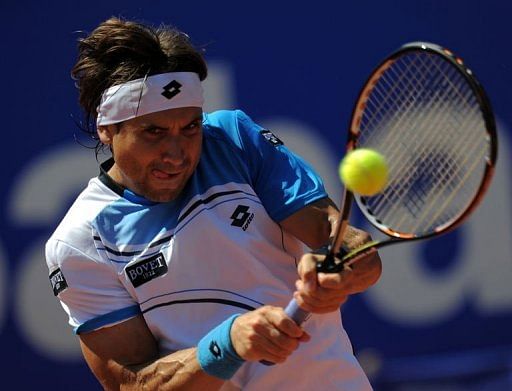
{"x": 364, "y": 171}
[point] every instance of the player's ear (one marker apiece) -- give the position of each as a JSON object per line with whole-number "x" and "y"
{"x": 105, "y": 133}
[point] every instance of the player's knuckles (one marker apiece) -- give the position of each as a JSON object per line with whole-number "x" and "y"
{"x": 277, "y": 317}
{"x": 289, "y": 345}
{"x": 288, "y": 327}
{"x": 335, "y": 281}
{"x": 308, "y": 305}
{"x": 286, "y": 344}
{"x": 303, "y": 289}
{"x": 321, "y": 304}
{"x": 344, "y": 286}
{"x": 300, "y": 301}
{"x": 265, "y": 310}
{"x": 311, "y": 301}
{"x": 259, "y": 328}
{"x": 318, "y": 294}
{"x": 307, "y": 265}
{"x": 323, "y": 292}
{"x": 267, "y": 314}
{"x": 291, "y": 329}
{"x": 283, "y": 323}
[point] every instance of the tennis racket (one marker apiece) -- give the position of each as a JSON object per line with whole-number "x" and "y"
{"x": 425, "y": 111}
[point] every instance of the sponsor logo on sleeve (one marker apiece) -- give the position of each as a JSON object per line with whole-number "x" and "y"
{"x": 146, "y": 270}
{"x": 58, "y": 281}
{"x": 271, "y": 138}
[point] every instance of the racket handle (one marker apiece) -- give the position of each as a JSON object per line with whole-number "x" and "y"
{"x": 297, "y": 314}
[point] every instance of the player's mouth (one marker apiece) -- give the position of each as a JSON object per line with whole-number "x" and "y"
{"x": 164, "y": 175}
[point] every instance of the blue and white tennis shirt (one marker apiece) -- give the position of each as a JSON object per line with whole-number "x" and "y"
{"x": 216, "y": 250}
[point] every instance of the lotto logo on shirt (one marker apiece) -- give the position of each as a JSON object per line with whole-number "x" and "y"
{"x": 146, "y": 270}
{"x": 242, "y": 217}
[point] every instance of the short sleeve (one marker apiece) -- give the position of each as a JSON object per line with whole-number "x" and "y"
{"x": 88, "y": 289}
{"x": 283, "y": 180}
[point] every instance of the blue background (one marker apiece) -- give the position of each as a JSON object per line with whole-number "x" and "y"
{"x": 287, "y": 63}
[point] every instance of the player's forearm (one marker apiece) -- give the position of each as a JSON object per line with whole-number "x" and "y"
{"x": 177, "y": 371}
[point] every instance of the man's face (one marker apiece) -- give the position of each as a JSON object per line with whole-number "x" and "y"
{"x": 156, "y": 154}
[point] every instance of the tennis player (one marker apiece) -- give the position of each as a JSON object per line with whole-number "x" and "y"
{"x": 175, "y": 263}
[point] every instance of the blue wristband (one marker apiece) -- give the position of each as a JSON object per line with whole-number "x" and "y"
{"x": 216, "y": 354}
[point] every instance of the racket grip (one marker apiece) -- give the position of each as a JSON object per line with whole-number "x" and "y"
{"x": 297, "y": 314}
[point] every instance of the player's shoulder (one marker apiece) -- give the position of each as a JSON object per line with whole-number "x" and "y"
{"x": 225, "y": 119}
{"x": 74, "y": 230}
{"x": 229, "y": 124}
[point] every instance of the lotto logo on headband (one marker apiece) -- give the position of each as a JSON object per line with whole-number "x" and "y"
{"x": 172, "y": 89}
{"x": 144, "y": 96}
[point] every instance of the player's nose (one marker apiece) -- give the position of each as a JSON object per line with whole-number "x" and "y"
{"x": 172, "y": 151}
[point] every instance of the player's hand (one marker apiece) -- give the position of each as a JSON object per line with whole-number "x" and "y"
{"x": 326, "y": 292}
{"x": 266, "y": 333}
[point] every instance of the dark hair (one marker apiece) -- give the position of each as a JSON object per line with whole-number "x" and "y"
{"x": 119, "y": 50}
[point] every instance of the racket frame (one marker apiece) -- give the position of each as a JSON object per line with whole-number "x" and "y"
{"x": 338, "y": 257}
{"x": 487, "y": 115}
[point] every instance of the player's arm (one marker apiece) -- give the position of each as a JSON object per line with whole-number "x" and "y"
{"x": 126, "y": 357}
{"x": 314, "y": 225}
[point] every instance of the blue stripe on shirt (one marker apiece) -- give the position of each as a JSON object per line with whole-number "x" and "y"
{"x": 110, "y": 318}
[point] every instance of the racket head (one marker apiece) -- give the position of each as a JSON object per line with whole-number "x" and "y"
{"x": 426, "y": 112}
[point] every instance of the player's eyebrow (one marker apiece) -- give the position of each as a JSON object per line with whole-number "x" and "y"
{"x": 150, "y": 125}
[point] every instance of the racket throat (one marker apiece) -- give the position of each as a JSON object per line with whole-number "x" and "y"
{"x": 332, "y": 263}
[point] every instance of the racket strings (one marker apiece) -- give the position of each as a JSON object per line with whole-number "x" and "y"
{"x": 458, "y": 171}
{"x": 432, "y": 177}
{"x": 452, "y": 193}
{"x": 410, "y": 116}
{"x": 388, "y": 99}
{"x": 444, "y": 165}
{"x": 389, "y": 102}
{"x": 424, "y": 117}
{"x": 403, "y": 106}
{"x": 439, "y": 209}
{"x": 426, "y": 182}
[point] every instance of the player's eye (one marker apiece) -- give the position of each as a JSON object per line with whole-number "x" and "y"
{"x": 193, "y": 127}
{"x": 153, "y": 131}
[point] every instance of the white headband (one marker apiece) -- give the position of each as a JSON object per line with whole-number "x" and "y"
{"x": 149, "y": 95}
